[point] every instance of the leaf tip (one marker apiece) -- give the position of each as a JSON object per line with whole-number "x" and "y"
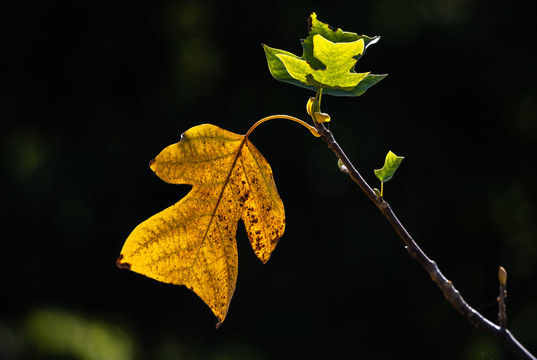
{"x": 151, "y": 164}
{"x": 374, "y": 40}
{"x": 265, "y": 260}
{"x": 122, "y": 265}
{"x": 311, "y": 18}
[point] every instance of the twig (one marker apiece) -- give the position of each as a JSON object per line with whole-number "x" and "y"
{"x": 447, "y": 287}
{"x": 502, "y": 316}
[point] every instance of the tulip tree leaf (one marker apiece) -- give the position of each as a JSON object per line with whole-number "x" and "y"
{"x": 338, "y": 58}
{"x": 391, "y": 164}
{"x": 327, "y": 62}
{"x": 192, "y": 243}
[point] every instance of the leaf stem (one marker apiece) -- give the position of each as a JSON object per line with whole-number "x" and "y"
{"x": 312, "y": 129}
{"x": 382, "y": 189}
{"x": 318, "y": 95}
{"x": 447, "y": 287}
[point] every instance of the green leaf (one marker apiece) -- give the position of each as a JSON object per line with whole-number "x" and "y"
{"x": 338, "y": 59}
{"x": 328, "y": 61}
{"x": 335, "y": 35}
{"x": 391, "y": 164}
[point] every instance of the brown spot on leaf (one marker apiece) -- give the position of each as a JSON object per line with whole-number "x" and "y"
{"x": 121, "y": 265}
{"x": 243, "y": 198}
{"x": 200, "y": 226}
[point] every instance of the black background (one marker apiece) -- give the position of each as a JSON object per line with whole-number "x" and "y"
{"x": 93, "y": 90}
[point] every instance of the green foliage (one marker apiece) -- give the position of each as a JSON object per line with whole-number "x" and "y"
{"x": 327, "y": 62}
{"x": 338, "y": 58}
{"x": 58, "y": 334}
{"x": 391, "y": 164}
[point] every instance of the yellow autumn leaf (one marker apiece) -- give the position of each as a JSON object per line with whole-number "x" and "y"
{"x": 192, "y": 243}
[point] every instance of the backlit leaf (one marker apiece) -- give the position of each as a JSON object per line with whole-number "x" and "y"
{"x": 327, "y": 61}
{"x": 192, "y": 243}
{"x": 391, "y": 164}
{"x": 338, "y": 59}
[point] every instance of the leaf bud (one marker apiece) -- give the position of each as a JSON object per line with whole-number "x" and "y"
{"x": 310, "y": 106}
{"x": 342, "y": 167}
{"x": 502, "y": 275}
{"x": 321, "y": 117}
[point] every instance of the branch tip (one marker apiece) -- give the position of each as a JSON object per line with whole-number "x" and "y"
{"x": 450, "y": 292}
{"x": 502, "y": 275}
{"x": 502, "y": 308}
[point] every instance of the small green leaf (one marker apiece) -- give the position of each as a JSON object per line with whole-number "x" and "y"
{"x": 327, "y": 62}
{"x": 391, "y": 164}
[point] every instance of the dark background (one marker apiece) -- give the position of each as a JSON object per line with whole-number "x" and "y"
{"x": 93, "y": 90}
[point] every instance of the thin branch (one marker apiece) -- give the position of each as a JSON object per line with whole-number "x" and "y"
{"x": 312, "y": 129}
{"x": 447, "y": 287}
{"x": 502, "y": 316}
